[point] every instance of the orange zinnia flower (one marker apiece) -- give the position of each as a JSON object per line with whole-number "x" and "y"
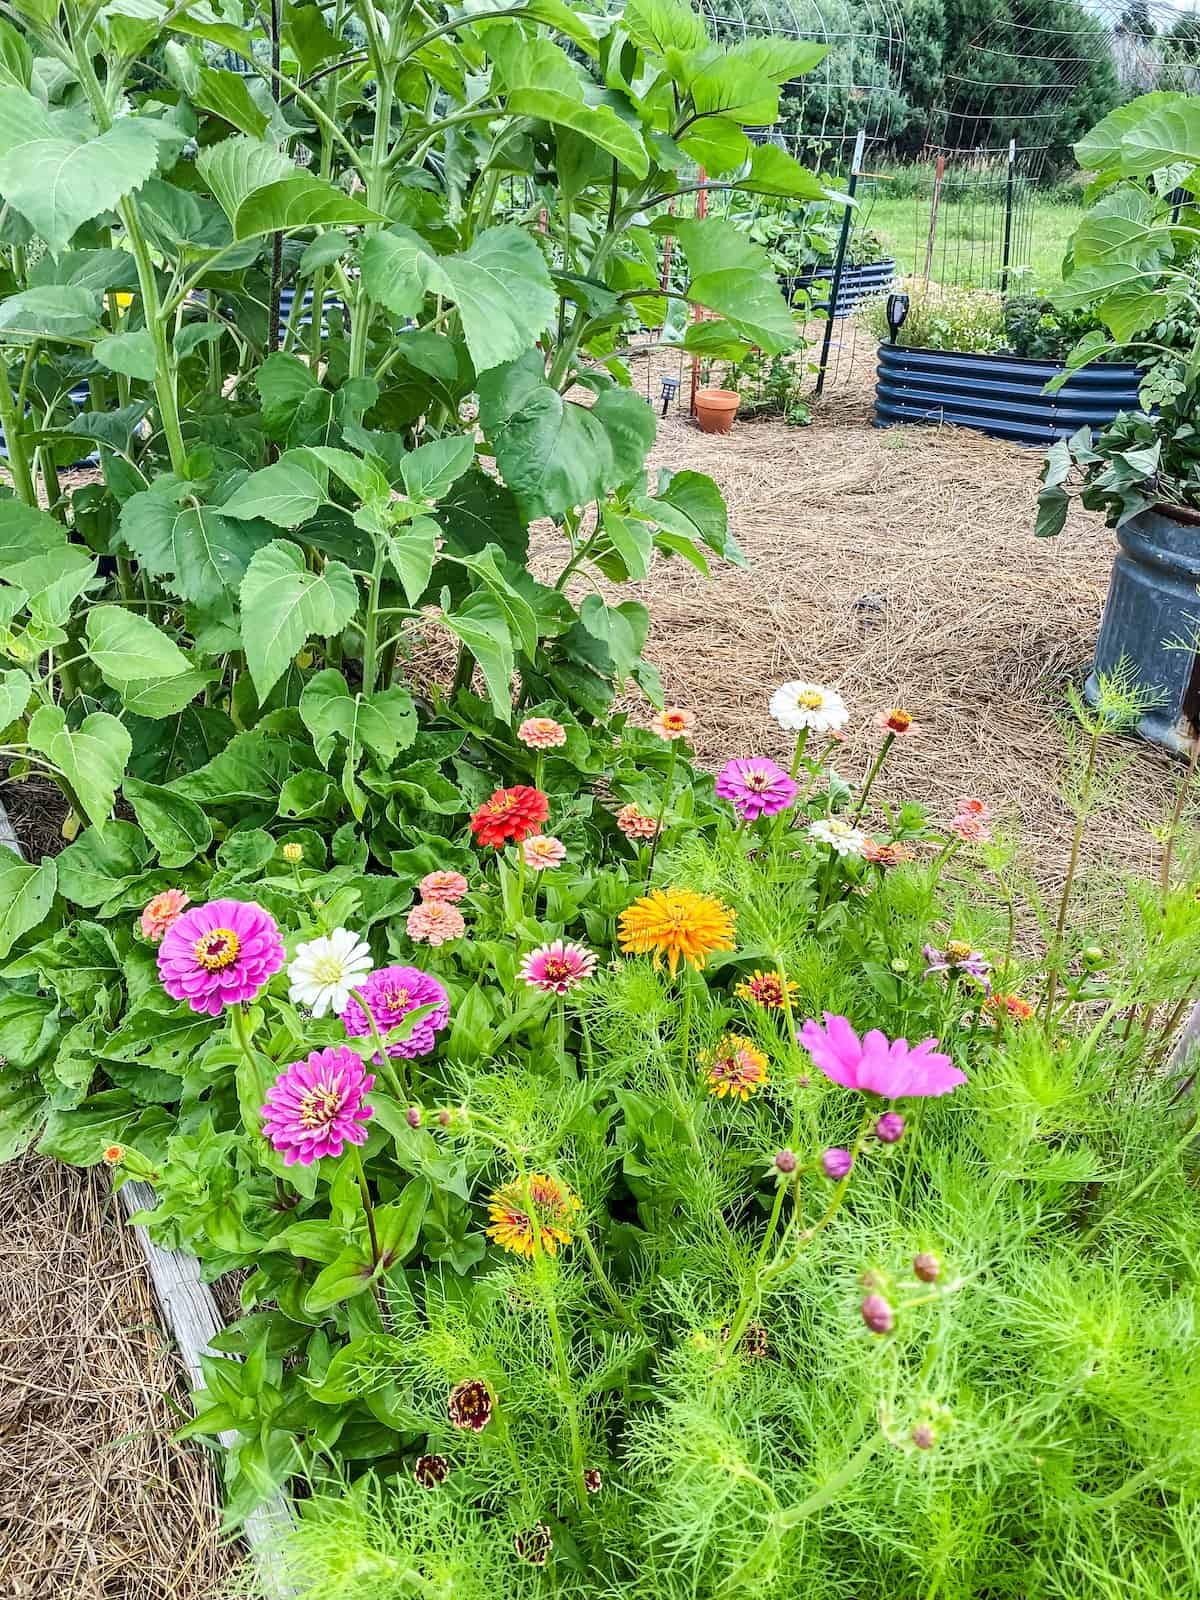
{"x": 675, "y": 923}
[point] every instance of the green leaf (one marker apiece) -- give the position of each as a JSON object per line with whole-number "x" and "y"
{"x": 286, "y": 493}
{"x": 348, "y": 1275}
{"x": 430, "y": 470}
{"x": 1162, "y": 135}
{"x": 91, "y": 757}
{"x": 22, "y": 1112}
{"x": 501, "y": 286}
{"x": 734, "y": 276}
{"x": 201, "y": 553}
{"x": 53, "y": 582}
{"x": 718, "y": 145}
{"x": 483, "y": 627}
{"x": 176, "y": 827}
{"x": 15, "y": 689}
{"x": 384, "y": 723}
{"x": 398, "y": 1225}
{"x": 58, "y": 185}
{"x": 125, "y": 646}
{"x": 26, "y": 894}
{"x": 26, "y": 532}
{"x": 60, "y": 311}
{"x": 412, "y": 552}
{"x": 227, "y": 94}
{"x": 773, "y": 171}
{"x": 542, "y": 83}
{"x": 80, "y": 1137}
{"x": 302, "y": 201}
{"x": 1101, "y": 239}
{"x": 1100, "y": 150}
{"x": 163, "y": 697}
{"x": 660, "y": 25}
{"x": 284, "y": 604}
{"x": 158, "y": 1035}
{"x": 131, "y": 354}
{"x": 235, "y": 168}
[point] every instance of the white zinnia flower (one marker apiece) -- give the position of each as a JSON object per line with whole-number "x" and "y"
{"x": 807, "y": 705}
{"x": 325, "y": 970}
{"x": 840, "y": 835}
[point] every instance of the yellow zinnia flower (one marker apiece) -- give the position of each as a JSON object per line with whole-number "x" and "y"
{"x": 737, "y": 1068}
{"x": 765, "y": 989}
{"x": 554, "y": 1207}
{"x": 674, "y": 923}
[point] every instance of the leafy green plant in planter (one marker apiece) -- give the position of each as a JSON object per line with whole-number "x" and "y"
{"x": 944, "y": 319}
{"x": 276, "y": 502}
{"x": 769, "y": 387}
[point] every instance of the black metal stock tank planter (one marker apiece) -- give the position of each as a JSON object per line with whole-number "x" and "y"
{"x": 859, "y": 284}
{"x": 999, "y": 395}
{"x": 1150, "y": 620}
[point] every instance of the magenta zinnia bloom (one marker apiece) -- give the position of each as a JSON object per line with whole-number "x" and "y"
{"x": 891, "y": 1068}
{"x": 756, "y": 788}
{"x": 218, "y": 954}
{"x": 391, "y": 993}
{"x": 555, "y": 968}
{"x": 316, "y": 1106}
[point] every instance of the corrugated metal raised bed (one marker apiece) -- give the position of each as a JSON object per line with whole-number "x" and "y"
{"x": 858, "y": 285}
{"x": 999, "y": 395}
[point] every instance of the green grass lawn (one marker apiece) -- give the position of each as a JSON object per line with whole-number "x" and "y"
{"x": 969, "y": 237}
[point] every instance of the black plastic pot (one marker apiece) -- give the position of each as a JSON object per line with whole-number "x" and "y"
{"x": 858, "y": 285}
{"x": 1152, "y": 605}
{"x": 999, "y": 395}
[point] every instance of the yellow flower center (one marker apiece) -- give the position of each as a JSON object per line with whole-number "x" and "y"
{"x": 329, "y": 969}
{"x": 216, "y": 949}
{"x": 557, "y": 968}
{"x": 900, "y": 720}
{"x": 395, "y": 998}
{"x": 810, "y": 699}
{"x": 319, "y": 1106}
{"x": 957, "y": 951}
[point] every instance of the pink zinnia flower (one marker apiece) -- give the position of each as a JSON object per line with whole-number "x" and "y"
{"x": 316, "y": 1106}
{"x": 449, "y": 887}
{"x": 891, "y": 1068}
{"x": 542, "y": 733}
{"x": 968, "y": 806}
{"x": 673, "y": 723}
{"x": 634, "y": 823}
{"x": 391, "y": 993}
{"x": 969, "y": 828}
{"x": 541, "y": 852}
{"x": 435, "y": 922}
{"x": 555, "y": 968}
{"x": 756, "y": 788}
{"x": 162, "y": 913}
{"x": 218, "y": 954}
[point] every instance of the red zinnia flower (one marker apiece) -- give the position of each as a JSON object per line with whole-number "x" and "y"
{"x": 510, "y": 814}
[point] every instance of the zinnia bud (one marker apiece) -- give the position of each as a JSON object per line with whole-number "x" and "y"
{"x": 927, "y": 1267}
{"x": 836, "y": 1163}
{"x": 877, "y": 1314}
{"x": 785, "y": 1161}
{"x": 923, "y": 1436}
{"x": 1094, "y": 957}
{"x": 293, "y": 852}
{"x": 889, "y": 1127}
{"x": 413, "y": 1116}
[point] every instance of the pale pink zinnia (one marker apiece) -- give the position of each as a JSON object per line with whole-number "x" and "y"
{"x": 219, "y": 954}
{"x": 673, "y": 723}
{"x": 970, "y": 828}
{"x": 634, "y": 823}
{"x": 969, "y": 806}
{"x": 449, "y": 887}
{"x": 542, "y": 733}
{"x": 892, "y": 1068}
{"x": 316, "y": 1106}
{"x": 555, "y": 968}
{"x": 541, "y": 852}
{"x": 435, "y": 922}
{"x": 162, "y": 913}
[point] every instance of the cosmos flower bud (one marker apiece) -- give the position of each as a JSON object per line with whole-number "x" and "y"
{"x": 413, "y": 1116}
{"x": 927, "y": 1267}
{"x": 803, "y": 1081}
{"x": 836, "y": 1163}
{"x": 443, "y": 1119}
{"x": 889, "y": 1127}
{"x": 877, "y": 1314}
{"x": 293, "y": 853}
{"x": 923, "y": 1435}
{"x": 785, "y": 1162}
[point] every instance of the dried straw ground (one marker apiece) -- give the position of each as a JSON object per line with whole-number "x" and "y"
{"x": 900, "y": 566}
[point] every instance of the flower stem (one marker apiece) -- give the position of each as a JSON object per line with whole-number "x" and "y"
{"x": 566, "y": 1389}
{"x": 889, "y": 740}
{"x": 392, "y": 1075}
{"x": 602, "y": 1278}
{"x": 662, "y": 810}
{"x": 1055, "y": 958}
{"x": 368, "y": 1208}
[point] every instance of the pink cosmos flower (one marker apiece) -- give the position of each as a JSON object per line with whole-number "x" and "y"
{"x": 219, "y": 954}
{"x": 448, "y": 887}
{"x": 673, "y": 723}
{"x": 435, "y": 922}
{"x": 541, "y": 852}
{"x": 891, "y": 1068}
{"x": 634, "y": 823}
{"x": 756, "y": 788}
{"x": 391, "y": 993}
{"x": 542, "y": 733}
{"x": 314, "y": 1107}
{"x": 556, "y": 968}
{"x": 162, "y": 913}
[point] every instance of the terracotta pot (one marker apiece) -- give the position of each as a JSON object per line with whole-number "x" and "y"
{"x": 716, "y": 409}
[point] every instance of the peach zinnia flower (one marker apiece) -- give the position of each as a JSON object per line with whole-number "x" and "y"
{"x": 886, "y": 855}
{"x": 542, "y": 733}
{"x": 435, "y": 922}
{"x": 673, "y": 723}
{"x": 897, "y": 722}
{"x": 969, "y": 828}
{"x": 449, "y": 887}
{"x": 162, "y": 913}
{"x": 634, "y": 823}
{"x": 541, "y": 852}
{"x": 676, "y": 923}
